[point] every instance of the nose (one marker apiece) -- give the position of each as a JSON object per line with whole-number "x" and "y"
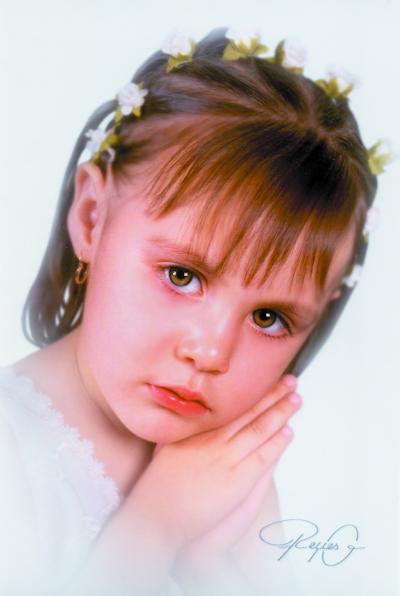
{"x": 209, "y": 345}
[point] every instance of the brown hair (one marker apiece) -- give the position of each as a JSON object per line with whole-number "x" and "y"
{"x": 248, "y": 141}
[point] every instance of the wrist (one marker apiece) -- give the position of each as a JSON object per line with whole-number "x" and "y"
{"x": 151, "y": 521}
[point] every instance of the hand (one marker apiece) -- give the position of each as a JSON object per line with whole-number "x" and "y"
{"x": 226, "y": 463}
{"x": 210, "y": 553}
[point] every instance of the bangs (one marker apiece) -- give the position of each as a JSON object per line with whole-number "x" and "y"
{"x": 261, "y": 190}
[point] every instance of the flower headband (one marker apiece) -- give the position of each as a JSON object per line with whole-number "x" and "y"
{"x": 243, "y": 43}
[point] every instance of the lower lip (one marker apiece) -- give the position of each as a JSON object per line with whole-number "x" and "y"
{"x": 171, "y": 400}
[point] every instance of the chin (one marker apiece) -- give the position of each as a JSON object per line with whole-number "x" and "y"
{"x": 155, "y": 424}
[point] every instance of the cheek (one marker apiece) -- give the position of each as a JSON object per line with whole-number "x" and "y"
{"x": 255, "y": 371}
{"x": 260, "y": 362}
{"x": 126, "y": 315}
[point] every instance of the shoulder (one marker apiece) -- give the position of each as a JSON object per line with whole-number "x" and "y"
{"x": 12, "y": 470}
{"x": 10, "y": 455}
{"x": 17, "y": 540}
{"x": 36, "y": 510}
{"x": 14, "y": 483}
{"x": 23, "y": 485}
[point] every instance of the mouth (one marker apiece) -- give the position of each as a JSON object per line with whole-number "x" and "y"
{"x": 180, "y": 399}
{"x": 187, "y": 394}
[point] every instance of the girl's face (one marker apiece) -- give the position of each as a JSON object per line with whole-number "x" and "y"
{"x": 152, "y": 316}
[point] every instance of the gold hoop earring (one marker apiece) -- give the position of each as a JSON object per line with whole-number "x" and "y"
{"x": 81, "y": 273}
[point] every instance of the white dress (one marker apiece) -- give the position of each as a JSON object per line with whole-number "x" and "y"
{"x": 54, "y": 495}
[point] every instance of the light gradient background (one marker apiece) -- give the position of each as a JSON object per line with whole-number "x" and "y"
{"x": 60, "y": 60}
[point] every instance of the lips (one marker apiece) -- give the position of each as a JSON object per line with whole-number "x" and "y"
{"x": 172, "y": 400}
{"x": 186, "y": 394}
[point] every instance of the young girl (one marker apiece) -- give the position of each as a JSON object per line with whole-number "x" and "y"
{"x": 197, "y": 263}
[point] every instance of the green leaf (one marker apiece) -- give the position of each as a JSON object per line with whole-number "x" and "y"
{"x": 323, "y": 84}
{"x": 376, "y": 162}
{"x": 235, "y": 51}
{"x": 331, "y": 88}
{"x": 113, "y": 139}
{"x": 170, "y": 64}
{"x": 260, "y": 49}
{"x": 375, "y": 166}
{"x": 296, "y": 69}
{"x": 177, "y": 61}
{"x": 193, "y": 45}
{"x": 280, "y": 52}
{"x": 231, "y": 52}
{"x": 118, "y": 115}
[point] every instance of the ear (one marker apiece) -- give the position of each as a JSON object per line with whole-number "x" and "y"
{"x": 88, "y": 211}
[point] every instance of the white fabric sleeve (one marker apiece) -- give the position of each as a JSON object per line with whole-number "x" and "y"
{"x": 21, "y": 565}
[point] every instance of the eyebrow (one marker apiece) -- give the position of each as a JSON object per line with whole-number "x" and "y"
{"x": 306, "y": 312}
{"x": 185, "y": 252}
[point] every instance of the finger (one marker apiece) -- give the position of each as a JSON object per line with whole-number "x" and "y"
{"x": 263, "y": 427}
{"x": 285, "y": 385}
{"x": 257, "y": 464}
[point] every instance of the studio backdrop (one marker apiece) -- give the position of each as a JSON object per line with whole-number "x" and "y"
{"x": 59, "y": 61}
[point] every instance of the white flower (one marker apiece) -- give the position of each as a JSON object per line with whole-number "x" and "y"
{"x": 177, "y": 43}
{"x": 372, "y": 220}
{"x": 96, "y": 137}
{"x": 343, "y": 77}
{"x": 131, "y": 96}
{"x": 243, "y": 35}
{"x": 383, "y": 148}
{"x": 295, "y": 55}
{"x": 354, "y": 277}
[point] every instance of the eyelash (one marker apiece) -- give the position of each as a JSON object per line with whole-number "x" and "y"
{"x": 171, "y": 287}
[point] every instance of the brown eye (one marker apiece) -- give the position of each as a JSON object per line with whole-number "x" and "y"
{"x": 179, "y": 276}
{"x": 268, "y": 319}
{"x": 265, "y": 318}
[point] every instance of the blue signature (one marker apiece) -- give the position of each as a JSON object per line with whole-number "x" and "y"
{"x": 332, "y": 552}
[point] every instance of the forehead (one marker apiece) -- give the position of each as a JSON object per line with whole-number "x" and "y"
{"x": 176, "y": 228}
{"x": 171, "y": 237}
{"x": 174, "y": 232}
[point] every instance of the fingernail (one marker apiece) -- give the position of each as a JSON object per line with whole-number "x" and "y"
{"x": 290, "y": 381}
{"x": 287, "y": 430}
{"x": 295, "y": 398}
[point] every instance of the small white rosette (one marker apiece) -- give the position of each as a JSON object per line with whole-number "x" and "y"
{"x": 352, "y": 280}
{"x": 180, "y": 47}
{"x": 244, "y": 42}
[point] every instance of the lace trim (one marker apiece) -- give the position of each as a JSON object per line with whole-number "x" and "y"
{"x": 68, "y": 436}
